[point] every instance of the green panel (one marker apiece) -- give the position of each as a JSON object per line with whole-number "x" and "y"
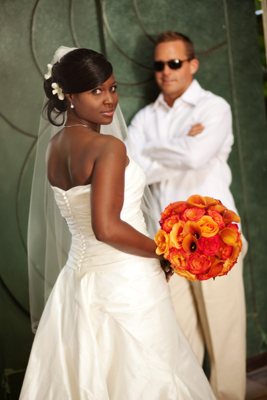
{"x": 250, "y": 127}
{"x": 225, "y": 37}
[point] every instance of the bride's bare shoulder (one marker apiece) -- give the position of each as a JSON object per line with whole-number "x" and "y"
{"x": 111, "y": 142}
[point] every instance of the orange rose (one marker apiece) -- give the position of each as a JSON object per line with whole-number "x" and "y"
{"x": 168, "y": 212}
{"x": 185, "y": 274}
{"x": 179, "y": 206}
{"x": 215, "y": 269}
{"x": 216, "y": 216}
{"x": 177, "y": 258}
{"x": 162, "y": 241}
{"x": 227, "y": 266}
{"x": 198, "y": 264}
{"x": 235, "y": 252}
{"x": 192, "y": 214}
{"x": 176, "y": 235}
{"x": 167, "y": 225}
{"x": 208, "y": 226}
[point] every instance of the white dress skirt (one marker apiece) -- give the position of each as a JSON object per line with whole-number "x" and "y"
{"x": 108, "y": 331}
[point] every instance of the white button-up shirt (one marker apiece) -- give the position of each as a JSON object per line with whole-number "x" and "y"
{"x": 177, "y": 165}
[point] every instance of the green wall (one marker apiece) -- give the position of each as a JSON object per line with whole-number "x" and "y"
{"x": 225, "y": 36}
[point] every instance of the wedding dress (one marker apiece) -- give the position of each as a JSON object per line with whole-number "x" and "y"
{"x": 108, "y": 331}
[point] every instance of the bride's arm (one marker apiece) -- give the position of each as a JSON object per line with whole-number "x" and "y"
{"x": 107, "y": 195}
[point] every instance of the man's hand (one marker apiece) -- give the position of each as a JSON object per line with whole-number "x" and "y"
{"x": 196, "y": 129}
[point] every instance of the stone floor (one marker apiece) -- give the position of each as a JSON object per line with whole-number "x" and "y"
{"x": 257, "y": 384}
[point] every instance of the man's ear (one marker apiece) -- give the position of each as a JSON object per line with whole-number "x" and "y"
{"x": 194, "y": 66}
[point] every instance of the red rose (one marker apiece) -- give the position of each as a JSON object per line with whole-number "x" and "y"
{"x": 215, "y": 270}
{"x": 225, "y": 251}
{"x": 192, "y": 214}
{"x": 216, "y": 216}
{"x": 198, "y": 264}
{"x": 210, "y": 245}
{"x": 233, "y": 226}
{"x": 166, "y": 214}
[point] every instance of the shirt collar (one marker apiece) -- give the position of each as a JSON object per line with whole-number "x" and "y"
{"x": 191, "y": 96}
{"x": 192, "y": 93}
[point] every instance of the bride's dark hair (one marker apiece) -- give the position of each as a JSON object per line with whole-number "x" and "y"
{"x": 76, "y": 72}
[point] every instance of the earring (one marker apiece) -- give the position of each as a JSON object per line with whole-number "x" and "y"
{"x": 71, "y": 105}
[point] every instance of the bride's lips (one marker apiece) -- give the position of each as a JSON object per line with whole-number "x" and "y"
{"x": 108, "y": 113}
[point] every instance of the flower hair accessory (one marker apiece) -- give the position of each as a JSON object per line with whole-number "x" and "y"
{"x": 49, "y": 72}
{"x": 57, "y": 90}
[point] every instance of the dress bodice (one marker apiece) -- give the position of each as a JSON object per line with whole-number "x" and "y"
{"x": 75, "y": 207}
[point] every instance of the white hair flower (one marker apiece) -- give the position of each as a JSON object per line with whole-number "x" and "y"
{"x": 49, "y": 72}
{"x": 57, "y": 90}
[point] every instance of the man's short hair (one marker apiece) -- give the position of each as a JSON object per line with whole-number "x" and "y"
{"x": 171, "y": 36}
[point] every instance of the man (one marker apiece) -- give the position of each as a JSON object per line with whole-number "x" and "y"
{"x": 183, "y": 141}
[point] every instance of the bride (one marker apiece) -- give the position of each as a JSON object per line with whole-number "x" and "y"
{"x": 108, "y": 331}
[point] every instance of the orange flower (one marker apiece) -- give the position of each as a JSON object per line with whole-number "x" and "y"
{"x": 230, "y": 216}
{"x": 179, "y": 206}
{"x": 198, "y": 264}
{"x": 231, "y": 260}
{"x": 176, "y": 235}
{"x": 197, "y": 200}
{"x": 208, "y": 226}
{"x": 166, "y": 214}
{"x": 235, "y": 252}
{"x": 227, "y": 266}
{"x": 167, "y": 225}
{"x": 225, "y": 251}
{"x": 192, "y": 228}
{"x": 233, "y": 226}
{"x": 190, "y": 244}
{"x": 162, "y": 241}
{"x": 218, "y": 207}
{"x": 192, "y": 214}
{"x": 177, "y": 258}
{"x": 229, "y": 236}
{"x": 210, "y": 201}
{"x": 216, "y": 216}
{"x": 185, "y": 274}
{"x": 215, "y": 269}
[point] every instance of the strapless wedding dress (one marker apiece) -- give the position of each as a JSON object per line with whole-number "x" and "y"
{"x": 108, "y": 331}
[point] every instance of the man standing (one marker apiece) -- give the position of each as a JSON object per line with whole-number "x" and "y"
{"x": 183, "y": 141}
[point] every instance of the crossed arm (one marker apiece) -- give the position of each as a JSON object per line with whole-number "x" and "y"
{"x": 161, "y": 159}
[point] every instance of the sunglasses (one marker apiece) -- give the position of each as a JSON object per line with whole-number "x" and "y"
{"x": 172, "y": 64}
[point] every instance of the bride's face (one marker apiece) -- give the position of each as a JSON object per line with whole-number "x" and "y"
{"x": 96, "y": 106}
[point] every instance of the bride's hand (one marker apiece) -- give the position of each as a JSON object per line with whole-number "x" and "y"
{"x": 168, "y": 271}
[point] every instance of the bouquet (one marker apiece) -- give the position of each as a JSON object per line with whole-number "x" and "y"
{"x": 199, "y": 237}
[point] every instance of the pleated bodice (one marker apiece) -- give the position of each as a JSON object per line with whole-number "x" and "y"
{"x": 74, "y": 204}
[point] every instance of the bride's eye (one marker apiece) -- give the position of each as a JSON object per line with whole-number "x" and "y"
{"x": 96, "y": 91}
{"x": 113, "y": 88}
